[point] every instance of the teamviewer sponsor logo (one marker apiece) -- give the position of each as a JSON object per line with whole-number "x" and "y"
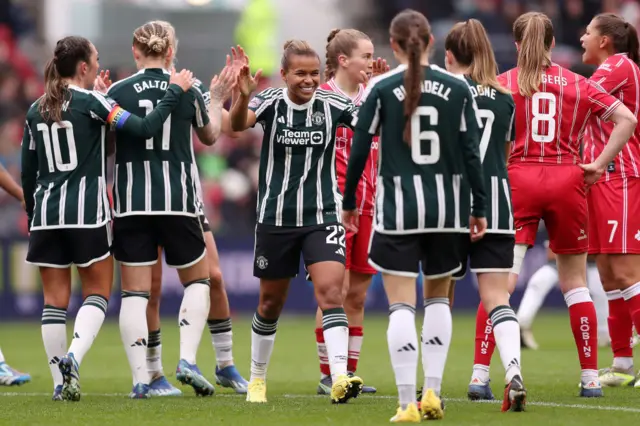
{"x": 291, "y": 137}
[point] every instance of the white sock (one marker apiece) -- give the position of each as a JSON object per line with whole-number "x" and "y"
{"x": 507, "y": 334}
{"x": 480, "y": 372}
{"x": 335, "y": 329}
{"x": 623, "y": 362}
{"x": 193, "y": 316}
{"x": 540, "y": 284}
{"x": 1, "y": 356}
{"x": 54, "y": 336}
{"x": 87, "y": 325}
{"x": 134, "y": 333}
{"x": 403, "y": 350}
{"x": 436, "y": 339}
{"x": 154, "y": 355}
{"x": 599, "y": 298}
{"x": 222, "y": 340}
{"x": 355, "y": 346}
{"x": 263, "y": 336}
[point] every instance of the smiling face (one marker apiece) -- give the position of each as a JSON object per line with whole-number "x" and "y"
{"x": 302, "y": 77}
{"x": 594, "y": 45}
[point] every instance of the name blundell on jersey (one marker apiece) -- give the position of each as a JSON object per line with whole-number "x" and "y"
{"x": 427, "y": 86}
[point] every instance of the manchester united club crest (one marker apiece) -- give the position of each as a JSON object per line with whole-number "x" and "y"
{"x": 317, "y": 118}
{"x": 262, "y": 262}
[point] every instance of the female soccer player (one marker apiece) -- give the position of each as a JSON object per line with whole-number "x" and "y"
{"x": 298, "y": 203}
{"x": 554, "y": 105}
{"x": 614, "y": 201}
{"x": 10, "y": 376}
{"x": 421, "y": 204}
{"x": 469, "y": 53}
{"x": 67, "y": 204}
{"x": 349, "y": 64}
{"x": 219, "y": 319}
{"x": 156, "y": 206}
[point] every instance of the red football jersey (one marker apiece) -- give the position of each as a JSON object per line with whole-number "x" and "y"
{"x": 551, "y": 124}
{"x": 366, "y": 193}
{"x": 620, "y": 77}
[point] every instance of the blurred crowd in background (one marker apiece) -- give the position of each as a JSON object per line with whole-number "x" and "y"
{"x": 229, "y": 170}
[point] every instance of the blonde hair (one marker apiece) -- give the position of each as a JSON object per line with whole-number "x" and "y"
{"x": 173, "y": 40}
{"x": 412, "y": 32}
{"x": 152, "y": 39}
{"x": 470, "y": 45}
{"x": 296, "y": 47}
{"x": 340, "y": 42}
{"x": 534, "y": 32}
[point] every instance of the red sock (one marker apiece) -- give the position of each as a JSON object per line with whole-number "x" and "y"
{"x": 620, "y": 325}
{"x": 584, "y": 325}
{"x": 632, "y": 300}
{"x": 322, "y": 353}
{"x": 355, "y": 344}
{"x": 485, "y": 342}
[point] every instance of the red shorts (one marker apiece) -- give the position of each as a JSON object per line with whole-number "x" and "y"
{"x": 614, "y": 222}
{"x": 555, "y": 194}
{"x": 358, "y": 247}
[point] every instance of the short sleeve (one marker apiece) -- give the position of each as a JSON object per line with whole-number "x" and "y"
{"x": 610, "y": 77}
{"x": 367, "y": 117}
{"x": 602, "y": 104}
{"x": 262, "y": 104}
{"x": 101, "y": 106}
{"x": 201, "y": 117}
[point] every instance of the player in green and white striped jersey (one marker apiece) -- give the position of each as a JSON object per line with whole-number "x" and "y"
{"x": 298, "y": 207}
{"x": 469, "y": 53}
{"x": 67, "y": 203}
{"x": 157, "y": 206}
{"x": 428, "y": 149}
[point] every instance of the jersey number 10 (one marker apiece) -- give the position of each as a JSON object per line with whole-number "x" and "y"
{"x": 166, "y": 126}
{"x": 52, "y": 146}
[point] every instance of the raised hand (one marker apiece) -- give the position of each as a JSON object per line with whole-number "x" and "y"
{"x": 246, "y": 83}
{"x": 184, "y": 79}
{"x": 102, "y": 82}
{"x": 379, "y": 67}
{"x": 238, "y": 59}
{"x": 222, "y": 84}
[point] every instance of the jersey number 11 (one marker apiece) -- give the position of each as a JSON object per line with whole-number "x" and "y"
{"x": 166, "y": 126}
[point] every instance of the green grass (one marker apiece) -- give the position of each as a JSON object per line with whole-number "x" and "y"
{"x": 551, "y": 375}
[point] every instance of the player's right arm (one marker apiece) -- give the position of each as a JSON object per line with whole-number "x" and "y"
{"x": 119, "y": 119}
{"x": 29, "y": 173}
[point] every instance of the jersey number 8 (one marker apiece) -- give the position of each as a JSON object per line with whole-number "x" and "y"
{"x": 52, "y": 143}
{"x": 543, "y": 117}
{"x": 166, "y": 126}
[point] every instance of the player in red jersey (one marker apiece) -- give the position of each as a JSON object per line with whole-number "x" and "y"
{"x": 614, "y": 201}
{"x": 553, "y": 106}
{"x": 349, "y": 64}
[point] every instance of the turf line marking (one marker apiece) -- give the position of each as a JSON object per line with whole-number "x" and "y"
{"x": 458, "y": 400}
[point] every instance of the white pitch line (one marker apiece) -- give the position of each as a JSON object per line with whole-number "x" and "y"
{"x": 457, "y": 400}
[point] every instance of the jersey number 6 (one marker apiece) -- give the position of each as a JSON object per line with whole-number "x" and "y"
{"x": 430, "y": 136}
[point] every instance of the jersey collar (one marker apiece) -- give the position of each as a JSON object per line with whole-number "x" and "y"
{"x": 292, "y": 105}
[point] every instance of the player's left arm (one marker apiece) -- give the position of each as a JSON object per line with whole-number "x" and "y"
{"x": 608, "y": 107}
{"x": 29, "y": 173}
{"x": 470, "y": 144}
{"x": 365, "y": 121}
{"x": 511, "y": 134}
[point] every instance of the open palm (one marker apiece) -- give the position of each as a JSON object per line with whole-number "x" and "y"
{"x": 247, "y": 83}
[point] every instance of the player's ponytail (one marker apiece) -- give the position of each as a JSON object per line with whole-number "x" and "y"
{"x": 411, "y": 30}
{"x": 469, "y": 43}
{"x": 533, "y": 33}
{"x": 340, "y": 42}
{"x": 68, "y": 53}
{"x": 623, "y": 35}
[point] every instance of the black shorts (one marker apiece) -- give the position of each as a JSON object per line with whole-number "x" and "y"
{"x": 204, "y": 223}
{"x": 63, "y": 247}
{"x": 402, "y": 254}
{"x": 137, "y": 238}
{"x": 278, "y": 248}
{"x": 493, "y": 253}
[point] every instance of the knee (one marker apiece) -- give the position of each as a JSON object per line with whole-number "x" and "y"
{"x": 271, "y": 305}
{"x": 355, "y": 300}
{"x": 329, "y": 296}
{"x": 57, "y": 300}
{"x": 154, "y": 301}
{"x": 215, "y": 277}
{"x": 624, "y": 278}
